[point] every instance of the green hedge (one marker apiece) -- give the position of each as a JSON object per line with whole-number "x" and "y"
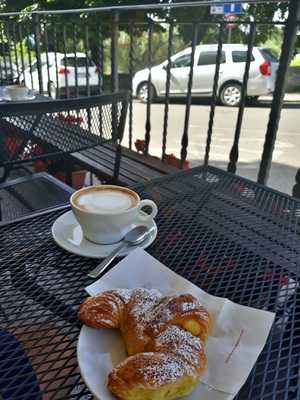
{"x": 295, "y": 62}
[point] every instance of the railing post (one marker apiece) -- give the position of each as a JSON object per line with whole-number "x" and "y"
{"x": 47, "y": 58}
{"x": 115, "y": 88}
{"x": 130, "y": 80}
{"x": 100, "y": 73}
{"x": 86, "y": 46}
{"x": 8, "y": 25}
{"x": 100, "y": 59}
{"x": 1, "y": 66}
{"x": 15, "y": 48}
{"x": 2, "y": 29}
{"x": 27, "y": 32}
{"x": 37, "y": 36}
{"x": 149, "y": 85}
{"x": 296, "y": 188}
{"x": 185, "y": 139}
{"x": 168, "y": 82}
{"x": 55, "y": 58}
{"x": 215, "y": 94}
{"x": 278, "y": 97}
{"x": 75, "y": 59}
{"x": 234, "y": 153}
{"x": 65, "y": 58}
{"x": 20, "y": 37}
{"x": 114, "y": 53}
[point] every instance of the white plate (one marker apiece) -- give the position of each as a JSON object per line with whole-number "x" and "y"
{"x": 67, "y": 234}
{"x": 98, "y": 350}
{"x": 94, "y": 370}
{"x": 29, "y": 97}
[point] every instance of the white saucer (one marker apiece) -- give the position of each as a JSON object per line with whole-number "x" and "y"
{"x": 67, "y": 234}
{"x": 28, "y": 97}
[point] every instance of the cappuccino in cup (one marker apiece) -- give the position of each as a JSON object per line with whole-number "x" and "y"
{"x": 107, "y": 212}
{"x": 106, "y": 199}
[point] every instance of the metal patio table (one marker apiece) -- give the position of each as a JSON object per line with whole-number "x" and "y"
{"x": 46, "y": 128}
{"x": 226, "y": 234}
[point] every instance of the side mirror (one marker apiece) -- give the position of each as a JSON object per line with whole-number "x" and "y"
{"x": 166, "y": 65}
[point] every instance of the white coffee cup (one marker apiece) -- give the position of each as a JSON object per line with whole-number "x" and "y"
{"x": 107, "y": 212}
{"x": 16, "y": 92}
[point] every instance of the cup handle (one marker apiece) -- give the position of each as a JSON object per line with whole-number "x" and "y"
{"x": 154, "y": 211}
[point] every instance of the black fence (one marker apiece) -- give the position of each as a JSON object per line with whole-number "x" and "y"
{"x": 41, "y": 48}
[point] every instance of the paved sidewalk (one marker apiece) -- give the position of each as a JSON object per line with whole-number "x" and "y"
{"x": 286, "y": 161}
{"x": 289, "y": 97}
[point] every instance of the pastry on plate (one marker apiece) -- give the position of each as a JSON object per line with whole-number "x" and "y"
{"x": 164, "y": 337}
{"x": 170, "y": 368}
{"x": 142, "y": 314}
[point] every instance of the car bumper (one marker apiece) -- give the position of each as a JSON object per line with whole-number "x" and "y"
{"x": 261, "y": 86}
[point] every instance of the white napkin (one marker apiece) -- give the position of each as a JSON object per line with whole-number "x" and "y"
{"x": 238, "y": 336}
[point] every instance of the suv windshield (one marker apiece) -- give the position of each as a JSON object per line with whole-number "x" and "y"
{"x": 269, "y": 55}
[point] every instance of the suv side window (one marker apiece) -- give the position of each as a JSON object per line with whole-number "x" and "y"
{"x": 182, "y": 61}
{"x": 81, "y": 62}
{"x": 239, "y": 56}
{"x": 210, "y": 58}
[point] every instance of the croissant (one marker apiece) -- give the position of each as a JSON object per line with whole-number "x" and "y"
{"x": 170, "y": 369}
{"x": 163, "y": 336}
{"x": 142, "y": 314}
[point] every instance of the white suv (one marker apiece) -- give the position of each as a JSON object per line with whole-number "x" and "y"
{"x": 62, "y": 79}
{"x": 261, "y": 77}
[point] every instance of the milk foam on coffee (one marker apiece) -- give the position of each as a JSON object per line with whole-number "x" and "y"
{"x": 106, "y": 200}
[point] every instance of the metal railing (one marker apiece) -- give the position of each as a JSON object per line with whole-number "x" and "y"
{"x": 28, "y": 40}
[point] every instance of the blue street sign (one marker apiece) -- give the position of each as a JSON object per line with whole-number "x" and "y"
{"x": 233, "y": 8}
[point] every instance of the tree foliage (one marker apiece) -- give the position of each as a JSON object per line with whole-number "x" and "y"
{"x": 59, "y": 29}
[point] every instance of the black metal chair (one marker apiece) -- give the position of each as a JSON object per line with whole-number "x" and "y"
{"x": 53, "y": 129}
{"x": 47, "y": 129}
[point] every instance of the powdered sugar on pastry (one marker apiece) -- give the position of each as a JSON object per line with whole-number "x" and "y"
{"x": 162, "y": 336}
{"x": 175, "y": 354}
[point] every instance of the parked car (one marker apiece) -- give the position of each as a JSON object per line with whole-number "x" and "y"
{"x": 261, "y": 77}
{"x": 61, "y": 77}
{"x": 8, "y": 72}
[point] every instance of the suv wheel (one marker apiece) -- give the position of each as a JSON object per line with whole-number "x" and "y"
{"x": 142, "y": 92}
{"x": 52, "y": 90}
{"x": 231, "y": 94}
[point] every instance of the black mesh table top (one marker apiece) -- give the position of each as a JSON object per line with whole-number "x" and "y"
{"x": 227, "y": 235}
{"x": 30, "y": 194}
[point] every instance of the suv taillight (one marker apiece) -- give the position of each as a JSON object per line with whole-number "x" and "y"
{"x": 265, "y": 68}
{"x": 63, "y": 70}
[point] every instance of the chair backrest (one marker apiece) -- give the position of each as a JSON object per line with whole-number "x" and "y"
{"x": 46, "y": 128}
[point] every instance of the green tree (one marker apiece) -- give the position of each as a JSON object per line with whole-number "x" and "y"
{"x": 207, "y": 33}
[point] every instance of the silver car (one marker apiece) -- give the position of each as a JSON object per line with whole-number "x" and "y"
{"x": 261, "y": 77}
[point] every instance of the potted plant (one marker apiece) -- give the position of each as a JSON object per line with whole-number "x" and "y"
{"x": 171, "y": 159}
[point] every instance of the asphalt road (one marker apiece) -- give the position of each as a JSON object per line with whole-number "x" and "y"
{"x": 286, "y": 156}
